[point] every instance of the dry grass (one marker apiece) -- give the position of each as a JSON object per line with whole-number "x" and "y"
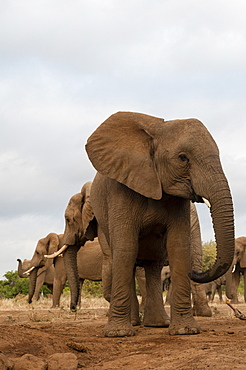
{"x": 20, "y": 303}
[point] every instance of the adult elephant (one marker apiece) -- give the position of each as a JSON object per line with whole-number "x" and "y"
{"x": 45, "y": 276}
{"x": 237, "y": 269}
{"x": 89, "y": 264}
{"x": 148, "y": 171}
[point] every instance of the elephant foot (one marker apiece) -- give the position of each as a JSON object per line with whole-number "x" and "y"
{"x": 235, "y": 301}
{"x": 118, "y": 330}
{"x": 202, "y": 310}
{"x": 135, "y": 321}
{"x": 156, "y": 317}
{"x": 163, "y": 323}
{"x": 188, "y": 328}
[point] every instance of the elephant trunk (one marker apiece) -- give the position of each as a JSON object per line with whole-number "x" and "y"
{"x": 223, "y": 224}
{"x": 70, "y": 261}
{"x": 229, "y": 283}
{"x": 32, "y": 285}
{"x": 20, "y": 269}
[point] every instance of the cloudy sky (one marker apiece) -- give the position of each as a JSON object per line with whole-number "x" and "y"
{"x": 65, "y": 66}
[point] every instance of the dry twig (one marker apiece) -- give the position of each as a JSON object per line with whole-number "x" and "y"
{"x": 237, "y": 313}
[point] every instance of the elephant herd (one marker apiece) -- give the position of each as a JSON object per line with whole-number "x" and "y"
{"x": 136, "y": 217}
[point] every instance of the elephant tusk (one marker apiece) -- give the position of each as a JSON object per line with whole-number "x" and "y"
{"x": 28, "y": 271}
{"x": 206, "y": 202}
{"x": 62, "y": 249}
{"x": 233, "y": 269}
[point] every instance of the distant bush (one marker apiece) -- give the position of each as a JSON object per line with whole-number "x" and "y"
{"x": 208, "y": 255}
{"x": 14, "y": 285}
{"x": 92, "y": 288}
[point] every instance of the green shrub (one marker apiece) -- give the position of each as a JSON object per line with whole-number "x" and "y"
{"x": 92, "y": 288}
{"x": 13, "y": 285}
{"x": 208, "y": 255}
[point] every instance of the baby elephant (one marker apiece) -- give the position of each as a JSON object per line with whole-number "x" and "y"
{"x": 210, "y": 288}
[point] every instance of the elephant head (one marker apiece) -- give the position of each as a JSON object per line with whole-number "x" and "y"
{"x": 180, "y": 158}
{"x": 80, "y": 226}
{"x": 47, "y": 245}
{"x": 239, "y": 261}
{"x": 22, "y": 267}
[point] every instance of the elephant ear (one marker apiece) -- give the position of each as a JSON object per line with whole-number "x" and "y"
{"x": 52, "y": 246}
{"x": 88, "y": 218}
{"x": 242, "y": 262}
{"x": 53, "y": 243}
{"x": 122, "y": 149}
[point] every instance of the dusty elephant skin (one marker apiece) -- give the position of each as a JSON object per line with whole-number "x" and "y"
{"x": 237, "y": 269}
{"x": 148, "y": 171}
{"x": 45, "y": 275}
{"x": 80, "y": 227}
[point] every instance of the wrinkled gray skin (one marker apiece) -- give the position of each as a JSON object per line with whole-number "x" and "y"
{"x": 148, "y": 171}
{"x": 237, "y": 269}
{"x": 210, "y": 288}
{"x": 80, "y": 226}
{"x": 89, "y": 265}
{"x": 45, "y": 276}
{"x": 46, "y": 245}
{"x": 200, "y": 304}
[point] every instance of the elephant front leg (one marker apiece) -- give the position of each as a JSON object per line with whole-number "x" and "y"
{"x": 182, "y": 320}
{"x": 119, "y": 318}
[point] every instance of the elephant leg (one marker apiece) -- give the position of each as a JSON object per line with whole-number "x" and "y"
{"x": 81, "y": 282}
{"x": 200, "y": 302}
{"x": 106, "y": 266}
{"x": 58, "y": 287}
{"x": 135, "y": 320}
{"x": 39, "y": 284}
{"x": 141, "y": 280}
{"x": 235, "y": 284}
{"x": 178, "y": 249}
{"x": 219, "y": 289}
{"x": 244, "y": 283}
{"x": 154, "y": 312}
{"x": 124, "y": 257}
{"x": 214, "y": 287}
{"x": 168, "y": 296}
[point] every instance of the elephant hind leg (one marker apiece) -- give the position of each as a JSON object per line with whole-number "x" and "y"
{"x": 154, "y": 312}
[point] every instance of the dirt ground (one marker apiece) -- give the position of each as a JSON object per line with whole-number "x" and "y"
{"x": 44, "y": 331}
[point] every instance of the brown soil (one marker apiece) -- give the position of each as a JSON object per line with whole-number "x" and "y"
{"x": 42, "y": 332}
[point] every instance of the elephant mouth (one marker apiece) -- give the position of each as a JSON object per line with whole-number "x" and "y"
{"x": 197, "y": 198}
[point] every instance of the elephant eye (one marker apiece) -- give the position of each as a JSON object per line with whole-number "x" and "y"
{"x": 183, "y": 157}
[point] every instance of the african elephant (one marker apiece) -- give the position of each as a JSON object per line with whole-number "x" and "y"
{"x": 45, "y": 276}
{"x": 148, "y": 171}
{"x": 200, "y": 305}
{"x": 89, "y": 261}
{"x": 165, "y": 278}
{"x": 237, "y": 269}
{"x": 210, "y": 288}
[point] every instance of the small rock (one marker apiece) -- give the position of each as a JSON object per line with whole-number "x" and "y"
{"x": 77, "y": 347}
{"x": 61, "y": 361}
{"x": 29, "y": 362}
